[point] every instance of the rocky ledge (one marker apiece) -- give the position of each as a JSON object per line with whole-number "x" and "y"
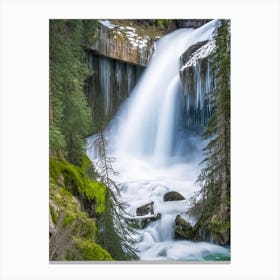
{"x": 122, "y": 43}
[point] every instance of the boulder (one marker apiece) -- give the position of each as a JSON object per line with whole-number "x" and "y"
{"x": 183, "y": 229}
{"x": 145, "y": 209}
{"x": 146, "y": 221}
{"x": 142, "y": 222}
{"x": 173, "y": 196}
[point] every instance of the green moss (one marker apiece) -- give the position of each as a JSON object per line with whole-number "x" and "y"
{"x": 88, "y": 167}
{"x": 89, "y": 251}
{"x": 96, "y": 190}
{"x": 159, "y": 23}
{"x": 54, "y": 168}
{"x": 74, "y": 176}
{"x": 76, "y": 181}
{"x": 63, "y": 198}
{"x": 67, "y": 206}
{"x": 162, "y": 23}
{"x": 69, "y": 218}
{"x": 85, "y": 226}
{"x": 86, "y": 162}
{"x": 66, "y": 181}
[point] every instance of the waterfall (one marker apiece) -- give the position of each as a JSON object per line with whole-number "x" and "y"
{"x": 154, "y": 154}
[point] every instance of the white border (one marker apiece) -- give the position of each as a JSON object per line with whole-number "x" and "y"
{"x": 24, "y": 138}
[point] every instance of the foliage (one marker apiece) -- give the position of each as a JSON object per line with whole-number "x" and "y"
{"x": 70, "y": 116}
{"x": 148, "y": 27}
{"x": 75, "y": 180}
{"x": 162, "y": 23}
{"x": 57, "y": 140}
{"x": 212, "y": 206}
{"x": 68, "y": 221}
{"x": 72, "y": 175}
{"x": 115, "y": 234}
{"x": 85, "y": 249}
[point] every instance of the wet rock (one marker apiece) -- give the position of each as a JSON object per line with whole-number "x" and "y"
{"x": 185, "y": 57}
{"x": 213, "y": 231}
{"x": 148, "y": 220}
{"x": 145, "y": 209}
{"x": 219, "y": 238}
{"x": 173, "y": 196}
{"x": 183, "y": 229}
{"x": 197, "y": 77}
{"x": 142, "y": 222}
{"x": 110, "y": 84}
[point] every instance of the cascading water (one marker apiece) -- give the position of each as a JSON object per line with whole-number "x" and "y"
{"x": 154, "y": 155}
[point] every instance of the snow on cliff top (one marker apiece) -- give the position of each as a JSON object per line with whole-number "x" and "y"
{"x": 134, "y": 39}
{"x": 202, "y": 52}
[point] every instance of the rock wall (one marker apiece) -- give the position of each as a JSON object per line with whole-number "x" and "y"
{"x": 176, "y": 23}
{"x": 118, "y": 57}
{"x": 198, "y": 82}
{"x": 122, "y": 43}
{"x": 190, "y": 23}
{"x": 110, "y": 84}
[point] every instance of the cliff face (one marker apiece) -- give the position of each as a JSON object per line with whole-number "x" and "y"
{"x": 122, "y": 43}
{"x": 172, "y": 24}
{"x": 119, "y": 55}
{"x": 190, "y": 23}
{"x": 110, "y": 84}
{"x": 117, "y": 58}
{"x": 198, "y": 81}
{"x": 132, "y": 40}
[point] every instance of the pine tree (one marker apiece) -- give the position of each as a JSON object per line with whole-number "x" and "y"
{"x": 213, "y": 206}
{"x": 115, "y": 234}
{"x": 70, "y": 115}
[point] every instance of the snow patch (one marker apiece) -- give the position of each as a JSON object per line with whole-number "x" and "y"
{"x": 202, "y": 52}
{"x": 129, "y": 32}
{"x": 107, "y": 23}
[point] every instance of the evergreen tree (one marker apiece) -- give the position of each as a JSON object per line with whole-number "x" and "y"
{"x": 213, "y": 206}
{"x": 70, "y": 115}
{"x": 115, "y": 234}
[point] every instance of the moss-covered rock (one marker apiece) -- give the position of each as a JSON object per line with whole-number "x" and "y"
{"x": 173, "y": 196}
{"x": 72, "y": 230}
{"x": 63, "y": 203}
{"x": 183, "y": 229}
{"x": 73, "y": 233}
{"x": 85, "y": 249}
{"x": 75, "y": 180}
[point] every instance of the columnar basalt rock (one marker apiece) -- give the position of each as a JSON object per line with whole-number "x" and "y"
{"x": 197, "y": 79}
{"x": 122, "y": 43}
{"x": 110, "y": 84}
